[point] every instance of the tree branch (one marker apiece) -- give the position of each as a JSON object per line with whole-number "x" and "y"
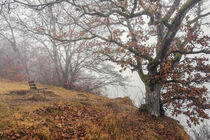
{"x": 175, "y": 27}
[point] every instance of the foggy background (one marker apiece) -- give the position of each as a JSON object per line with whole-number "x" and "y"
{"x": 136, "y": 89}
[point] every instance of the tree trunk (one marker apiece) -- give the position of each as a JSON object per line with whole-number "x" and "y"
{"x": 152, "y": 100}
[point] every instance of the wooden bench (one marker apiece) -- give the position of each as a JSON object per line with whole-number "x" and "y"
{"x": 33, "y": 87}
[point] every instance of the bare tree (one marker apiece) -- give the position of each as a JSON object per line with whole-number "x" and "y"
{"x": 8, "y": 31}
{"x": 74, "y": 64}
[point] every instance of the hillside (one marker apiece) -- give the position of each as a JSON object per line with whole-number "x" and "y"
{"x": 66, "y": 114}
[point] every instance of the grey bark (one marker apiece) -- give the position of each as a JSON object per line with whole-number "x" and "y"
{"x": 153, "y": 99}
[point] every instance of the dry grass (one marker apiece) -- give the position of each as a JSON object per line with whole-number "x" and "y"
{"x": 7, "y": 86}
{"x": 66, "y": 114}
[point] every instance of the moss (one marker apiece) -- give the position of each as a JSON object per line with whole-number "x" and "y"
{"x": 148, "y": 81}
{"x": 145, "y": 78}
{"x": 152, "y": 62}
{"x": 185, "y": 5}
{"x": 177, "y": 57}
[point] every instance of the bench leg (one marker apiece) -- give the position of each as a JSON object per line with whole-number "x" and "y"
{"x": 44, "y": 94}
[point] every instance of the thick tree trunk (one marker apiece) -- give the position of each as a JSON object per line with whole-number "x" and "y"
{"x": 152, "y": 100}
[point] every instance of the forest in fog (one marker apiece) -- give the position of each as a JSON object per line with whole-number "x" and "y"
{"x": 80, "y": 45}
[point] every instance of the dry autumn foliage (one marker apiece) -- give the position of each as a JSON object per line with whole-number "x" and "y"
{"x": 77, "y": 116}
{"x": 168, "y": 49}
{"x": 12, "y": 71}
{"x": 84, "y": 121}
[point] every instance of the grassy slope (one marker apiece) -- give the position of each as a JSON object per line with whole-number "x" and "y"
{"x": 66, "y": 114}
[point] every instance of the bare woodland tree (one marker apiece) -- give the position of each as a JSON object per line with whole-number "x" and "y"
{"x": 157, "y": 38}
{"x": 74, "y": 65}
{"x": 8, "y": 33}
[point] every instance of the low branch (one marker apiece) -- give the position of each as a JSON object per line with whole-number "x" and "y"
{"x": 205, "y": 51}
{"x": 200, "y": 16}
{"x": 39, "y": 6}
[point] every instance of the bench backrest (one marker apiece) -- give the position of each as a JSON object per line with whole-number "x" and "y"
{"x": 32, "y": 85}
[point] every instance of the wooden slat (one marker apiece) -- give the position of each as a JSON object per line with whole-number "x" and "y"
{"x": 32, "y": 86}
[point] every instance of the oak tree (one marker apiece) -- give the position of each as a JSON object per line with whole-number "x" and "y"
{"x": 161, "y": 40}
